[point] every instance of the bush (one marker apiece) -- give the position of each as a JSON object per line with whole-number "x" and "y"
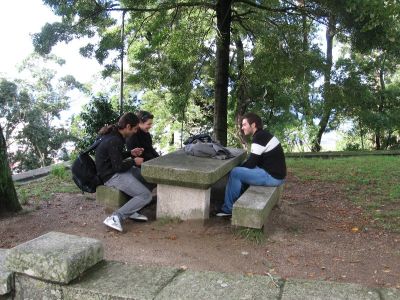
{"x": 59, "y": 171}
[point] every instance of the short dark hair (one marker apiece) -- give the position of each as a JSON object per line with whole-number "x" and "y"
{"x": 144, "y": 116}
{"x": 253, "y": 118}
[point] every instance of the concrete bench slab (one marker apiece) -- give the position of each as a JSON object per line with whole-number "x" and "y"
{"x": 179, "y": 169}
{"x": 390, "y": 294}
{"x": 254, "y": 205}
{"x": 325, "y": 290}
{"x": 116, "y": 280}
{"x": 55, "y": 256}
{"x": 5, "y": 274}
{"x": 184, "y": 182}
{"x": 110, "y": 198}
{"x": 212, "y": 285}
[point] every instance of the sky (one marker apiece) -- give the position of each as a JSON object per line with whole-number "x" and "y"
{"x": 19, "y": 19}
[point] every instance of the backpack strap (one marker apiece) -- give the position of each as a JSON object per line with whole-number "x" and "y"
{"x": 93, "y": 146}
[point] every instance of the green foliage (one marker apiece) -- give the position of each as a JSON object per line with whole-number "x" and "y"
{"x": 29, "y": 108}
{"x": 171, "y": 52}
{"x": 59, "y": 171}
{"x": 254, "y": 235}
{"x": 44, "y": 188}
{"x": 370, "y": 181}
{"x": 96, "y": 114}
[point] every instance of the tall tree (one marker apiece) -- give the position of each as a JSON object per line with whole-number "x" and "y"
{"x": 29, "y": 108}
{"x": 8, "y": 196}
{"x": 158, "y": 21}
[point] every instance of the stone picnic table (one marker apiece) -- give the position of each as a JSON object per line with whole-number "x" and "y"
{"x": 184, "y": 182}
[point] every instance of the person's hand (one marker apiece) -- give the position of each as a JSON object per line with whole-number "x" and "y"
{"x": 138, "y": 160}
{"x": 137, "y": 152}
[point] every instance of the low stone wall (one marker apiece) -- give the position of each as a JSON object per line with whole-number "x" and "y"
{"x": 333, "y": 154}
{"x": 60, "y": 266}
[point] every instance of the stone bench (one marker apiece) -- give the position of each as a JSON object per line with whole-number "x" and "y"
{"x": 110, "y": 198}
{"x": 5, "y": 275}
{"x": 254, "y": 206}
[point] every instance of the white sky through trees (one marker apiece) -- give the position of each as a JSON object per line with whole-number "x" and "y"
{"x": 19, "y": 19}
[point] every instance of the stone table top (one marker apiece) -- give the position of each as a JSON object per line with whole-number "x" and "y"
{"x": 179, "y": 169}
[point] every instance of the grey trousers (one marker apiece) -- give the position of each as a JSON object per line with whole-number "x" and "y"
{"x": 127, "y": 183}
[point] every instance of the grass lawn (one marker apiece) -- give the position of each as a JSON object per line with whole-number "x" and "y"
{"x": 372, "y": 182}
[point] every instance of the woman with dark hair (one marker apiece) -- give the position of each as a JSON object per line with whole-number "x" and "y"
{"x": 142, "y": 139}
{"x": 118, "y": 173}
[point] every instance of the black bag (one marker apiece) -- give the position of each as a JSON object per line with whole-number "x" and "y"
{"x": 84, "y": 172}
{"x": 202, "y": 137}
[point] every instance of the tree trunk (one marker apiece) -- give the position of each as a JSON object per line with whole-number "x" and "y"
{"x": 378, "y": 135}
{"x": 241, "y": 99}
{"x": 224, "y": 18}
{"x": 8, "y": 196}
{"x": 327, "y": 107}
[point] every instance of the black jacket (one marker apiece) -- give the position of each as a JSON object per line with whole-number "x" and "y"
{"x": 267, "y": 153}
{"x": 142, "y": 140}
{"x": 111, "y": 155}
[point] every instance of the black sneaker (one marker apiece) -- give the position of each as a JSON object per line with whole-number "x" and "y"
{"x": 223, "y": 214}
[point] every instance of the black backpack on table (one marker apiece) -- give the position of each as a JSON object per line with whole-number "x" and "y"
{"x": 84, "y": 172}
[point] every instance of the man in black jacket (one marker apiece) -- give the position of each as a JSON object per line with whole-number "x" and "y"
{"x": 117, "y": 172}
{"x": 265, "y": 166}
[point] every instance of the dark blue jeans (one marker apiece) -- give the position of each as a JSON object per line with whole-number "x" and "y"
{"x": 241, "y": 177}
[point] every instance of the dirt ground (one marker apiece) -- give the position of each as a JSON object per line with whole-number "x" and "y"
{"x": 315, "y": 234}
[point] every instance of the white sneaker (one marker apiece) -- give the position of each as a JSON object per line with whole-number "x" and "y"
{"x": 223, "y": 214}
{"x": 113, "y": 222}
{"x": 138, "y": 217}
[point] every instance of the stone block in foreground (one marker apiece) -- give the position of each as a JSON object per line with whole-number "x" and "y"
{"x": 55, "y": 256}
{"x": 325, "y": 290}
{"x": 116, "y": 280}
{"x": 212, "y": 285}
{"x": 5, "y": 274}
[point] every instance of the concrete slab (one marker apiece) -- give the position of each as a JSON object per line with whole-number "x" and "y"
{"x": 212, "y": 285}
{"x": 31, "y": 288}
{"x": 182, "y": 202}
{"x": 5, "y": 274}
{"x": 325, "y": 290}
{"x": 390, "y": 294}
{"x": 37, "y": 173}
{"x": 115, "y": 280}
{"x": 55, "y": 256}
{"x": 180, "y": 169}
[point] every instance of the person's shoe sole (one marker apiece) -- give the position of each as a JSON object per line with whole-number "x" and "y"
{"x": 112, "y": 226}
{"x": 222, "y": 214}
{"x": 139, "y": 218}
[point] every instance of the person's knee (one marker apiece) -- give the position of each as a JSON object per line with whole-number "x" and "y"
{"x": 235, "y": 172}
{"x": 147, "y": 197}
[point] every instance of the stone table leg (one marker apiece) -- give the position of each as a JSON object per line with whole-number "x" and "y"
{"x": 182, "y": 202}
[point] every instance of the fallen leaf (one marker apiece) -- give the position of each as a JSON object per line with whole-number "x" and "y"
{"x": 355, "y": 229}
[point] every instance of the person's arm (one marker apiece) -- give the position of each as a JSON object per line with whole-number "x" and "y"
{"x": 149, "y": 152}
{"x": 132, "y": 142}
{"x": 252, "y": 161}
{"x": 255, "y": 153}
{"x": 117, "y": 156}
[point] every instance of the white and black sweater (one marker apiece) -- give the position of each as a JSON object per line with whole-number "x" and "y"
{"x": 267, "y": 153}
